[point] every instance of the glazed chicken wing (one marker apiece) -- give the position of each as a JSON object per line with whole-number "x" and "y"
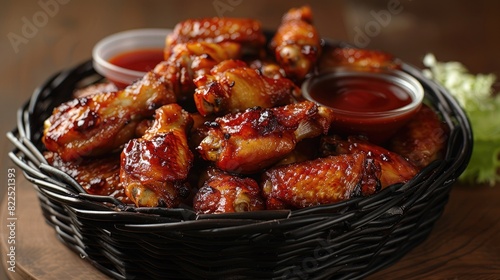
{"x": 320, "y": 181}
{"x": 99, "y": 176}
{"x": 154, "y": 168}
{"x": 256, "y": 138}
{"x": 101, "y": 123}
{"x": 226, "y": 193}
{"x": 247, "y": 32}
{"x": 232, "y": 86}
{"x": 394, "y": 168}
{"x": 423, "y": 139}
{"x": 188, "y": 61}
{"x": 369, "y": 60}
{"x": 296, "y": 43}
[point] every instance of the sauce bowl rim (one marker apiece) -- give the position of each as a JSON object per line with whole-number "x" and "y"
{"x": 103, "y": 66}
{"x": 395, "y": 77}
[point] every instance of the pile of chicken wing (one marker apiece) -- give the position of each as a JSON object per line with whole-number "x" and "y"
{"x": 221, "y": 126}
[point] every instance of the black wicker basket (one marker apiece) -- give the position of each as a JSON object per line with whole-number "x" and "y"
{"x": 347, "y": 240}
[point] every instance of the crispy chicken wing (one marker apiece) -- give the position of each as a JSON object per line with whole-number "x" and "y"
{"x": 247, "y": 32}
{"x": 226, "y": 193}
{"x": 296, "y": 43}
{"x": 369, "y": 60}
{"x": 233, "y": 86}
{"x": 256, "y": 138}
{"x": 187, "y": 61}
{"x": 99, "y": 176}
{"x": 320, "y": 181}
{"x": 101, "y": 123}
{"x": 394, "y": 168}
{"x": 423, "y": 139}
{"x": 154, "y": 168}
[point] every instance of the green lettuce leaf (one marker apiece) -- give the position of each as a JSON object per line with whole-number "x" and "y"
{"x": 482, "y": 106}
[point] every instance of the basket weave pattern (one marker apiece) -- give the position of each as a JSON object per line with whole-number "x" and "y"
{"x": 347, "y": 240}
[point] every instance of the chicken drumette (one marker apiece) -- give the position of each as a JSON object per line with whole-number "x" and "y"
{"x": 225, "y": 193}
{"x": 296, "y": 43}
{"x": 254, "y": 139}
{"x": 154, "y": 168}
{"x": 233, "y": 86}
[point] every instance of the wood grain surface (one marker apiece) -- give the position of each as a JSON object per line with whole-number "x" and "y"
{"x": 465, "y": 243}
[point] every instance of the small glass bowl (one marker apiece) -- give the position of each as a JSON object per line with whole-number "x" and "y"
{"x": 122, "y": 42}
{"x": 376, "y": 124}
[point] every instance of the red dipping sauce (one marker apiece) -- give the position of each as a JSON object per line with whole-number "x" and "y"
{"x": 360, "y": 95}
{"x": 373, "y": 104}
{"x": 126, "y": 56}
{"x": 142, "y": 60}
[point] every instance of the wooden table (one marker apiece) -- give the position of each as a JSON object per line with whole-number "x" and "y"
{"x": 38, "y": 252}
{"x": 465, "y": 242}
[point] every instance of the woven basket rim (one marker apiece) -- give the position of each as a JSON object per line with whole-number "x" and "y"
{"x": 21, "y": 137}
{"x": 98, "y": 227}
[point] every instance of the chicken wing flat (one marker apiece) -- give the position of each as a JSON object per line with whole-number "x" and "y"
{"x": 97, "y": 124}
{"x": 187, "y": 61}
{"x": 233, "y": 86}
{"x": 247, "y": 32}
{"x": 394, "y": 168}
{"x": 226, "y": 193}
{"x": 100, "y": 176}
{"x": 315, "y": 182}
{"x": 423, "y": 139}
{"x": 296, "y": 43}
{"x": 154, "y": 168}
{"x": 248, "y": 141}
{"x": 368, "y": 60}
